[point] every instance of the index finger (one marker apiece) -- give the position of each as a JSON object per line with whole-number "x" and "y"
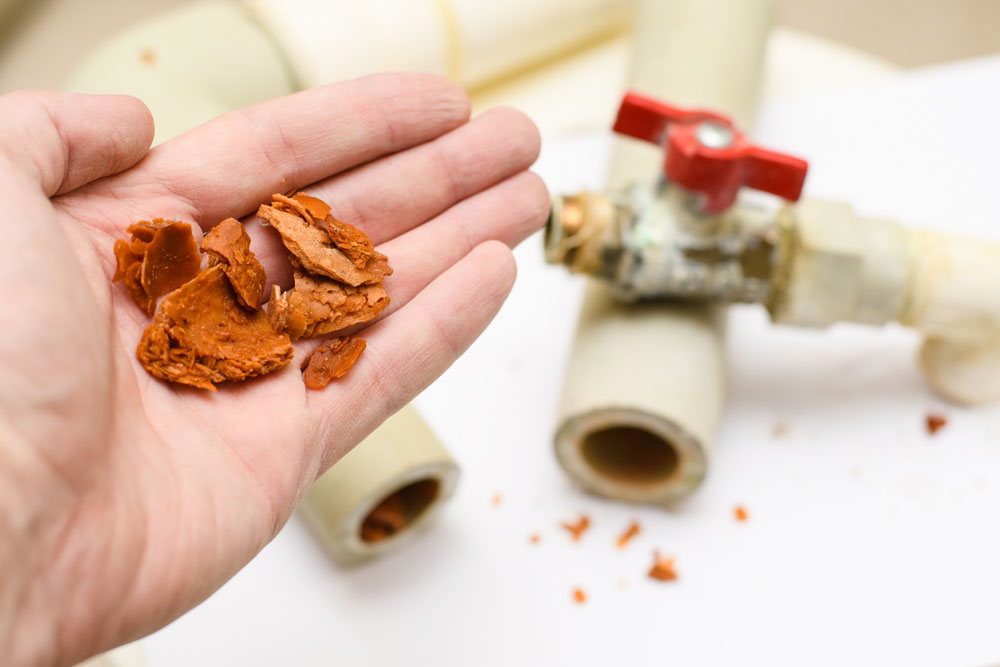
{"x": 228, "y": 166}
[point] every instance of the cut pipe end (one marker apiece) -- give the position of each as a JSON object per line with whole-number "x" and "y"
{"x": 399, "y": 510}
{"x": 387, "y": 519}
{"x": 631, "y": 455}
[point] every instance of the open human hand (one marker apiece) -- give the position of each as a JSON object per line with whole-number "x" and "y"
{"x": 125, "y": 501}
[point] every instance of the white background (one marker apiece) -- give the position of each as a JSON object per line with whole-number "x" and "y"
{"x": 869, "y": 542}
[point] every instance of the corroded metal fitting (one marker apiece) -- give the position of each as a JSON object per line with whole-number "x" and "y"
{"x": 655, "y": 245}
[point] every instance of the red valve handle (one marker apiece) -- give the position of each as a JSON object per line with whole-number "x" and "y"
{"x": 707, "y": 154}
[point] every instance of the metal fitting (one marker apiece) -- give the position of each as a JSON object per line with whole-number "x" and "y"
{"x": 656, "y": 245}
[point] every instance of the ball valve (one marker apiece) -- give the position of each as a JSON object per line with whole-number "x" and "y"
{"x": 812, "y": 263}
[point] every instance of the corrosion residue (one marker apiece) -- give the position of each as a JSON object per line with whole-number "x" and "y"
{"x": 579, "y": 596}
{"x": 316, "y": 208}
{"x": 318, "y": 305}
{"x": 663, "y": 568}
{"x": 630, "y": 532}
{"x": 228, "y": 243}
{"x": 577, "y": 529}
{"x": 741, "y": 513}
{"x": 201, "y": 336}
{"x": 210, "y": 327}
{"x": 352, "y": 241}
{"x": 935, "y": 423}
{"x": 535, "y": 538}
{"x": 332, "y": 360}
{"x": 314, "y": 247}
{"x": 160, "y": 257}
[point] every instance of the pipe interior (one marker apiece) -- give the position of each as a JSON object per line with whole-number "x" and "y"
{"x": 397, "y": 511}
{"x": 630, "y": 454}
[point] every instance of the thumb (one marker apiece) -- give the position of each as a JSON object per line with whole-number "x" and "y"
{"x": 65, "y": 140}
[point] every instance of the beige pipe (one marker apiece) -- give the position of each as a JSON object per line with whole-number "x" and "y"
{"x": 189, "y": 65}
{"x": 470, "y": 41}
{"x": 382, "y": 492}
{"x": 842, "y": 267}
{"x": 197, "y": 62}
{"x": 645, "y": 384}
{"x": 6, "y": 6}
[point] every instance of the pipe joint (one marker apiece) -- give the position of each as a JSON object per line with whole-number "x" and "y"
{"x": 655, "y": 245}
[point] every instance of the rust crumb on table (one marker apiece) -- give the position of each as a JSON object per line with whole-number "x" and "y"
{"x": 741, "y": 513}
{"x": 577, "y": 529}
{"x": 663, "y": 568}
{"x": 579, "y": 595}
{"x": 630, "y": 532}
{"x": 935, "y": 423}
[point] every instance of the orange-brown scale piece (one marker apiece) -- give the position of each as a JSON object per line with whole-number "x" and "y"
{"x": 576, "y": 530}
{"x": 332, "y": 360}
{"x": 630, "y": 532}
{"x": 663, "y": 568}
{"x": 229, "y": 243}
{"x": 318, "y": 305}
{"x": 935, "y": 423}
{"x": 201, "y": 335}
{"x": 160, "y": 257}
{"x": 317, "y": 252}
{"x": 579, "y": 595}
{"x": 741, "y": 513}
{"x": 129, "y": 265}
{"x": 316, "y": 208}
{"x": 291, "y": 204}
{"x": 352, "y": 241}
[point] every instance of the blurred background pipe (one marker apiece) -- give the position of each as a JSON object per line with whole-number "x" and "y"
{"x": 190, "y": 65}
{"x": 196, "y": 62}
{"x": 6, "y": 6}
{"x": 472, "y": 42}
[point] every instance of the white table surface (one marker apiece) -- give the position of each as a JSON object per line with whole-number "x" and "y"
{"x": 869, "y": 542}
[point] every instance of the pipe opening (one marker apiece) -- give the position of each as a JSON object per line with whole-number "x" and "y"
{"x": 397, "y": 511}
{"x": 629, "y": 454}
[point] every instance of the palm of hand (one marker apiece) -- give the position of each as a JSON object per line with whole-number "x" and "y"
{"x": 128, "y": 500}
